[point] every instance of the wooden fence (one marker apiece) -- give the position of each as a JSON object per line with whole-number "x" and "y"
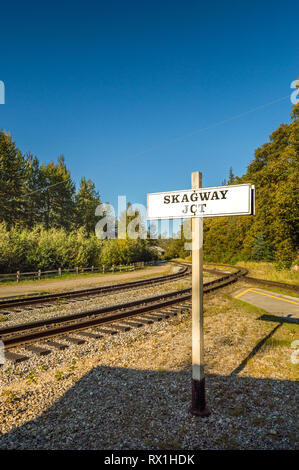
{"x": 39, "y": 274}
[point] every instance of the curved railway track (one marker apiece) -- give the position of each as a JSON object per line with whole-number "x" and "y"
{"x": 141, "y": 311}
{"x": 65, "y": 296}
{"x": 120, "y": 317}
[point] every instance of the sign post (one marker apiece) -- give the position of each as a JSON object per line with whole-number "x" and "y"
{"x": 198, "y": 203}
{"x": 198, "y": 406}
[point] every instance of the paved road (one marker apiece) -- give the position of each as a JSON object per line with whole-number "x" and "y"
{"x": 272, "y": 302}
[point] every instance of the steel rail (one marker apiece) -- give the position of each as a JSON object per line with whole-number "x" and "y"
{"x": 40, "y": 330}
{"x": 250, "y": 279}
{"x": 32, "y": 300}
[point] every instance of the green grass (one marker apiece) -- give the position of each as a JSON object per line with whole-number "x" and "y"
{"x": 263, "y": 270}
{"x": 73, "y": 276}
{"x": 66, "y": 276}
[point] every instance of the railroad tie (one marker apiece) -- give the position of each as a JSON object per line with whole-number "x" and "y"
{"x": 164, "y": 314}
{"x": 40, "y": 351}
{"x": 106, "y": 331}
{"x": 90, "y": 335}
{"x": 73, "y": 340}
{"x": 56, "y": 345}
{"x": 153, "y": 317}
{"x": 174, "y": 311}
{"x": 14, "y": 357}
{"x": 134, "y": 323}
{"x": 144, "y": 320}
{"x": 121, "y": 327}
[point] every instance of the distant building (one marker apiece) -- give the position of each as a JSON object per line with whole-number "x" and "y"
{"x": 158, "y": 250}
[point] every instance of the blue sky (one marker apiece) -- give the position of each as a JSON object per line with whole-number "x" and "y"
{"x": 113, "y": 86}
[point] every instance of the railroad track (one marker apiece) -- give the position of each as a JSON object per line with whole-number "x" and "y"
{"x": 251, "y": 279}
{"x": 101, "y": 321}
{"x": 37, "y": 337}
{"x": 83, "y": 293}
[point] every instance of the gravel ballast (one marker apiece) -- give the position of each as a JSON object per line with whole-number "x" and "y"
{"x": 133, "y": 390}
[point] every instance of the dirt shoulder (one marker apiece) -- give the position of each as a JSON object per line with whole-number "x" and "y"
{"x": 83, "y": 281}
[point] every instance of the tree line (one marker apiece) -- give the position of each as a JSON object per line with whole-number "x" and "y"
{"x": 46, "y": 224}
{"x": 42, "y": 194}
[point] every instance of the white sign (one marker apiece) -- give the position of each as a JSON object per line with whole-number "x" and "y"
{"x": 237, "y": 199}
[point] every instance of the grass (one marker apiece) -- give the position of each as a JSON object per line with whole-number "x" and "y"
{"x": 65, "y": 276}
{"x": 59, "y": 374}
{"x": 31, "y": 377}
{"x": 9, "y": 395}
{"x": 81, "y": 275}
{"x": 263, "y": 270}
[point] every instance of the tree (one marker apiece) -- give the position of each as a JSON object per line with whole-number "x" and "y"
{"x": 12, "y": 169}
{"x": 33, "y": 187}
{"x": 86, "y": 201}
{"x": 231, "y": 178}
{"x": 261, "y": 250}
{"x": 58, "y": 195}
{"x": 273, "y": 232}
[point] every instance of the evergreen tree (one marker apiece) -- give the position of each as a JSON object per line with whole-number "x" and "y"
{"x": 86, "y": 200}
{"x": 261, "y": 250}
{"x": 33, "y": 187}
{"x": 12, "y": 169}
{"x": 231, "y": 178}
{"x": 58, "y": 195}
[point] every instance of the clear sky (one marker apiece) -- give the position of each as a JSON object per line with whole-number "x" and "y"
{"x": 121, "y": 87}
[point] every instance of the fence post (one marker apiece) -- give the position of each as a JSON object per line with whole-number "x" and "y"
{"x": 120, "y": 267}
{"x": 18, "y": 276}
{"x": 77, "y": 270}
{"x": 113, "y": 268}
{"x": 103, "y": 269}
{"x": 59, "y": 271}
{"x": 38, "y": 274}
{"x": 92, "y": 269}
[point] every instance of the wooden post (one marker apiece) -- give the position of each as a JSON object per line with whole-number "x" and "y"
{"x": 59, "y": 271}
{"x": 18, "y": 276}
{"x": 198, "y": 407}
{"x": 39, "y": 274}
{"x": 77, "y": 270}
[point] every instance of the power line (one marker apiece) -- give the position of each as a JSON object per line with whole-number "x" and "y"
{"x": 40, "y": 190}
{"x": 185, "y": 136}
{"x": 198, "y": 131}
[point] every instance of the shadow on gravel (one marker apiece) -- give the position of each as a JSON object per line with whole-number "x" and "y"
{"x": 115, "y": 408}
